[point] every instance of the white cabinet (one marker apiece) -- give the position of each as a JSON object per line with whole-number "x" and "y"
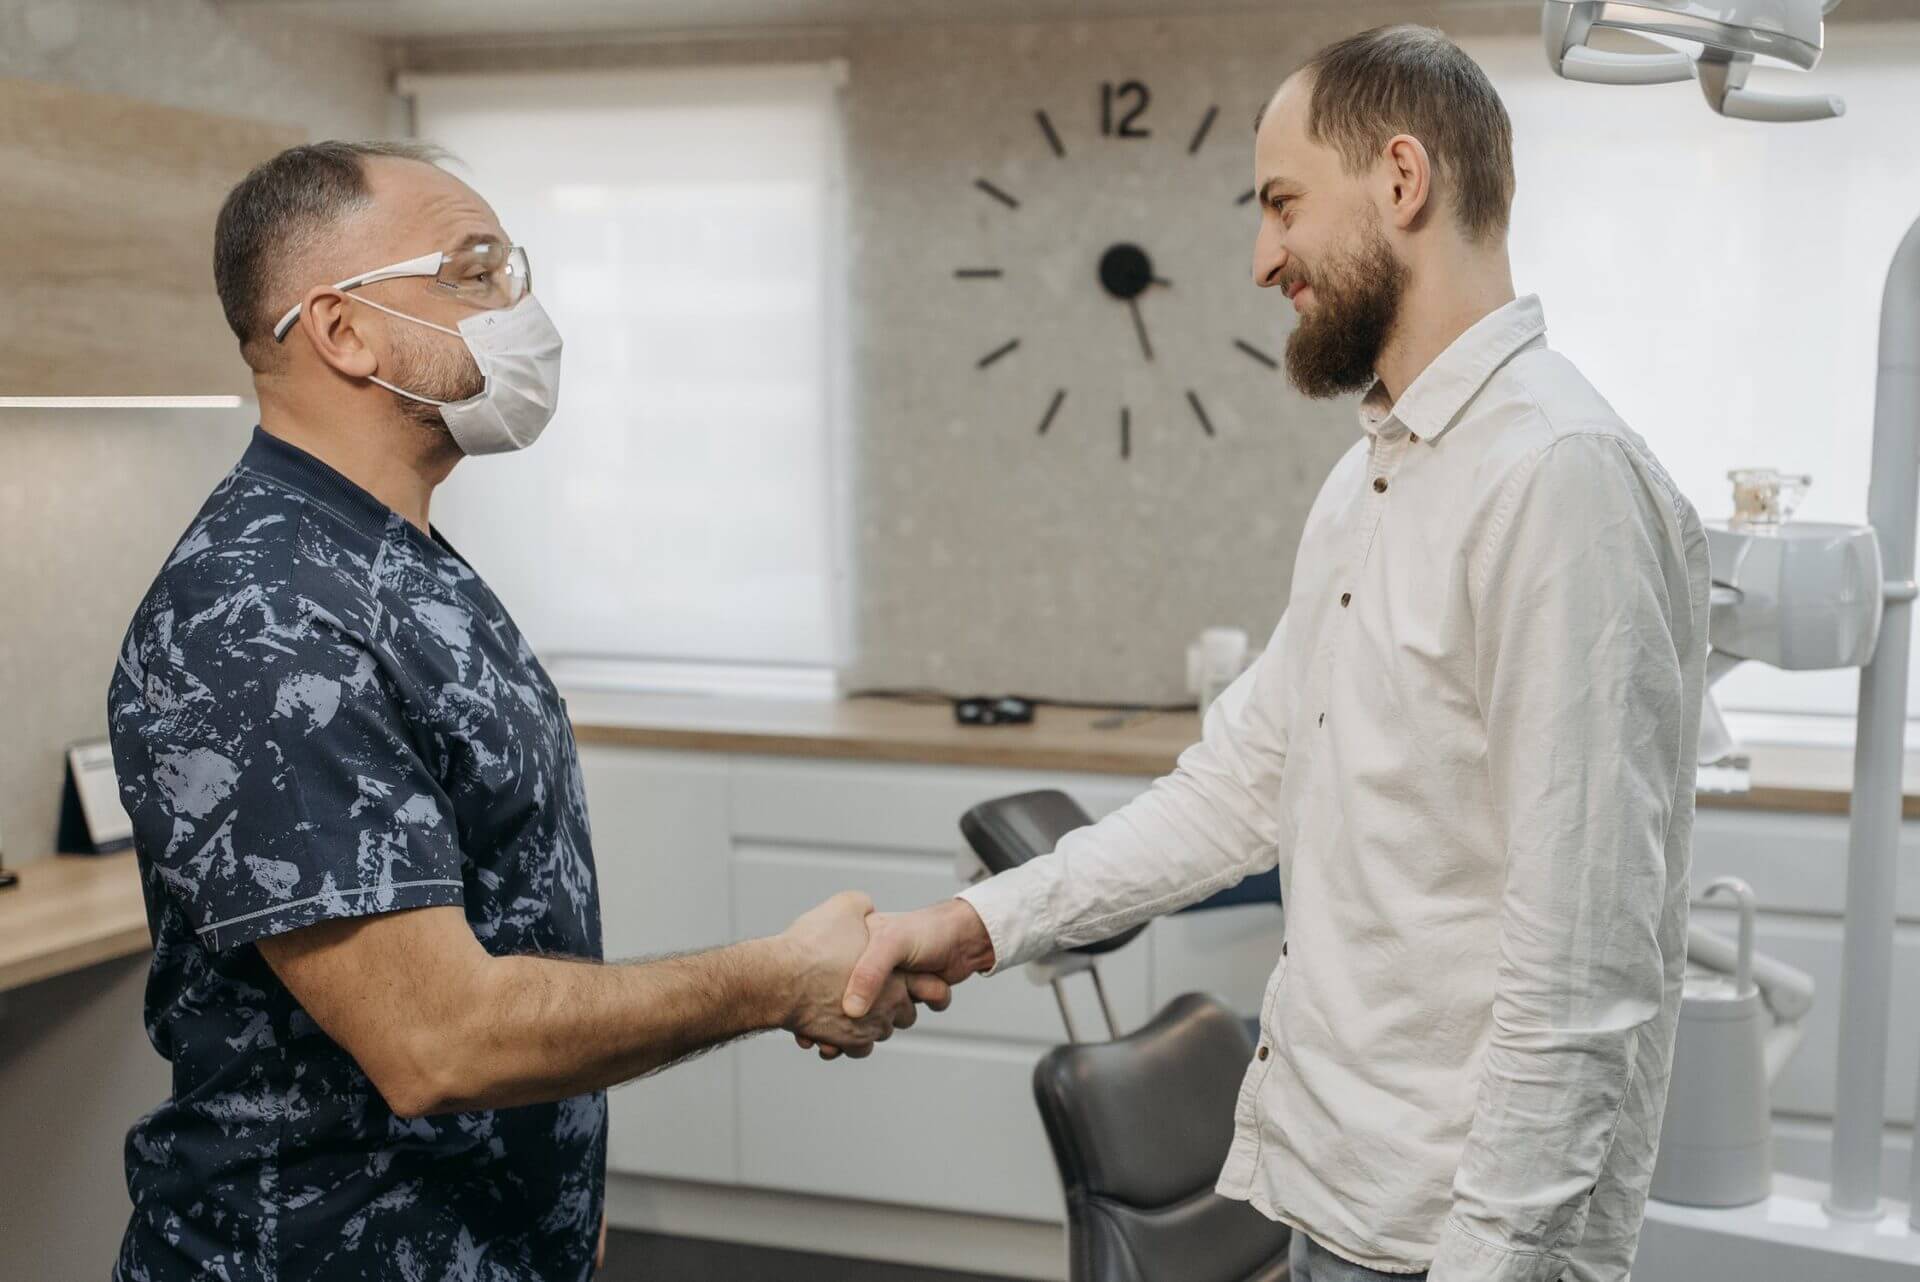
{"x": 698, "y": 849}
{"x": 660, "y": 848}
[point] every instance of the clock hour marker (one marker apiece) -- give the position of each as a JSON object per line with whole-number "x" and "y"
{"x": 1053, "y": 407}
{"x": 997, "y": 353}
{"x": 1053, "y": 139}
{"x": 1200, "y": 413}
{"x": 996, "y": 193}
{"x": 1256, "y": 353}
{"x": 1200, "y": 134}
{"x": 978, "y": 273}
{"x": 1245, "y": 196}
{"x": 1126, "y": 433}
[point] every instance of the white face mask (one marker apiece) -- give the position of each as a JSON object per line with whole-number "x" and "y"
{"x": 518, "y": 352}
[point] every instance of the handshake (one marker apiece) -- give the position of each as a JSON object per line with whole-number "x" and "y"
{"x": 849, "y": 975}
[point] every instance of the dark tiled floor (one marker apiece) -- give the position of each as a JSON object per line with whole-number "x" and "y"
{"x": 648, "y": 1257}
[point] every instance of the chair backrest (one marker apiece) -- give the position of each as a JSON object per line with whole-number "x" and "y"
{"x": 1139, "y": 1128}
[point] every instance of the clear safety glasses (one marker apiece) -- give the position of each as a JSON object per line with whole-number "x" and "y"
{"x": 486, "y": 274}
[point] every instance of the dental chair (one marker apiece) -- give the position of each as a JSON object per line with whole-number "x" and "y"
{"x": 1139, "y": 1125}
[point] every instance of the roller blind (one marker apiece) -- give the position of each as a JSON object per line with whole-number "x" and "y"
{"x": 681, "y": 511}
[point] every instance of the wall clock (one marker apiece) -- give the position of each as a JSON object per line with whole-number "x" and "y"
{"x": 1122, "y": 271}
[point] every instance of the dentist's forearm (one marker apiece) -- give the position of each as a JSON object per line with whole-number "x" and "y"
{"x": 543, "y": 1029}
{"x": 438, "y": 1024}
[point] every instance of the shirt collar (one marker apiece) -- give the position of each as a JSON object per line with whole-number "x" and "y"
{"x": 275, "y": 459}
{"x": 1431, "y": 404}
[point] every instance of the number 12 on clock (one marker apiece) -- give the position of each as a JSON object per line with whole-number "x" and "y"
{"x": 1130, "y": 98}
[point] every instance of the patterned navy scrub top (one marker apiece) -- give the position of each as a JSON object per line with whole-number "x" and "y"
{"x": 320, "y": 712}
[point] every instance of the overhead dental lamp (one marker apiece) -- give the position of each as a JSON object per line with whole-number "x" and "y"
{"x": 1729, "y": 35}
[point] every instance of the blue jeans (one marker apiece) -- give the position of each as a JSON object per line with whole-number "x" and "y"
{"x": 1311, "y": 1262}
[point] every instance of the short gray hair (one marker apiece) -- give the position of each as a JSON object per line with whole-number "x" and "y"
{"x": 275, "y": 214}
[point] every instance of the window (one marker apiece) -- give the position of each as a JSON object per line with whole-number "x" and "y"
{"x": 1719, "y": 281}
{"x": 680, "y": 519}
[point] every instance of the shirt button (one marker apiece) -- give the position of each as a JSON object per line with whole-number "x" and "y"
{"x": 1283, "y": 948}
{"x": 1379, "y": 485}
{"x": 1414, "y": 437}
{"x": 1263, "y": 1052}
{"x": 1323, "y": 719}
{"x": 1346, "y": 598}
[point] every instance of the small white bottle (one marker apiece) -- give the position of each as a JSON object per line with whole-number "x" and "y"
{"x": 1214, "y": 662}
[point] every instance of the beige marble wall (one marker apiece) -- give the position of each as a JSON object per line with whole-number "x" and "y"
{"x": 90, "y": 502}
{"x": 990, "y": 557}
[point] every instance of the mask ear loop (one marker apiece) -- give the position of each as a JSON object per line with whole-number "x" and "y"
{"x": 401, "y": 391}
{"x": 382, "y": 307}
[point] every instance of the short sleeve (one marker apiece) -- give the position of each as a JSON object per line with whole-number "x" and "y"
{"x": 270, "y": 771}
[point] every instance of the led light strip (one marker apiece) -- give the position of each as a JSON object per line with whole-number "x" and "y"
{"x": 120, "y": 402}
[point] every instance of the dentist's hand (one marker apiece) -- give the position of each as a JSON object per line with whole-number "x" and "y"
{"x": 947, "y": 941}
{"x": 821, "y": 948}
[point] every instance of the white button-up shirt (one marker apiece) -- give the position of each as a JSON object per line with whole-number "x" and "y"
{"x": 1469, "y": 748}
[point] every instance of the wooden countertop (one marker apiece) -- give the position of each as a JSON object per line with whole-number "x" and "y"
{"x": 70, "y": 912}
{"x": 1063, "y": 739}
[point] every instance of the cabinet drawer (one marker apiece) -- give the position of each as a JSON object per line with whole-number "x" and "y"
{"x": 774, "y": 884}
{"x": 1795, "y": 863}
{"x": 660, "y": 849}
{"x": 678, "y": 1124}
{"x": 924, "y": 1122}
{"x": 889, "y": 807}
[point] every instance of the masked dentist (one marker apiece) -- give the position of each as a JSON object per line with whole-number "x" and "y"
{"x": 357, "y": 802}
{"x": 1469, "y": 746}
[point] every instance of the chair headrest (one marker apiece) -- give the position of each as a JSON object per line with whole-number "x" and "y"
{"x": 1008, "y": 831}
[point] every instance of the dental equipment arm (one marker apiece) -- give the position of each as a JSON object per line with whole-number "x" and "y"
{"x": 1723, "y": 80}
{"x": 1565, "y": 27}
{"x": 1730, "y": 33}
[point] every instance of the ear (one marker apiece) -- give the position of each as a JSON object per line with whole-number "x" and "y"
{"x": 330, "y": 328}
{"x": 1409, "y": 178}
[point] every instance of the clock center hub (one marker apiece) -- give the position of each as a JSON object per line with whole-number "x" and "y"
{"x": 1125, "y": 271}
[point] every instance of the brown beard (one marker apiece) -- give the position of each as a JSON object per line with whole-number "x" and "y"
{"x": 1334, "y": 348}
{"x": 428, "y": 366}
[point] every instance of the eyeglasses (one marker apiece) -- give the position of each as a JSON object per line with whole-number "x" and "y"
{"x": 486, "y": 274}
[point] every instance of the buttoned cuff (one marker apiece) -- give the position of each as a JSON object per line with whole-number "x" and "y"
{"x": 1466, "y": 1257}
{"x": 1006, "y": 906}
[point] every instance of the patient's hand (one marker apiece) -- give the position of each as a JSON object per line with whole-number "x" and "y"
{"x": 823, "y": 946}
{"x": 942, "y": 945}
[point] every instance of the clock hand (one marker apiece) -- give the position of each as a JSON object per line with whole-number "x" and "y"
{"x": 1140, "y": 327}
